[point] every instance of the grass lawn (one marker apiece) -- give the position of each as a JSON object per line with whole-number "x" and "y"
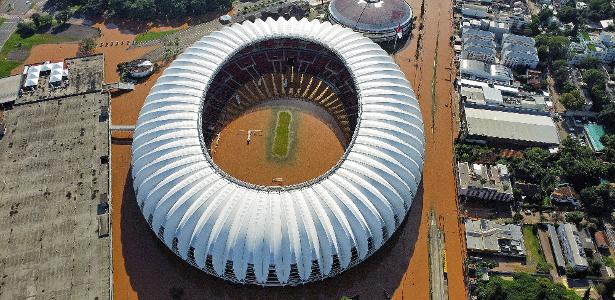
{"x": 532, "y": 245}
{"x": 17, "y": 42}
{"x": 150, "y": 35}
{"x": 282, "y": 134}
{"x": 585, "y": 36}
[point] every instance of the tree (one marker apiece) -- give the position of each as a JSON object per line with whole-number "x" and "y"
{"x": 606, "y": 116}
{"x": 63, "y": 16}
{"x": 572, "y": 101}
{"x": 44, "y": 22}
{"x": 568, "y": 14}
{"x": 26, "y": 28}
{"x": 557, "y": 45}
{"x": 86, "y": 47}
{"x": 523, "y": 286}
{"x": 36, "y": 18}
{"x": 598, "y": 198}
{"x": 588, "y": 62}
{"x": 574, "y": 217}
{"x": 594, "y": 77}
{"x": 579, "y": 165}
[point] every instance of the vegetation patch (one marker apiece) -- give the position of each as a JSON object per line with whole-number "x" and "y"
{"x": 532, "y": 246}
{"x": 281, "y": 140}
{"x": 523, "y": 286}
{"x": 151, "y": 35}
{"x": 17, "y": 42}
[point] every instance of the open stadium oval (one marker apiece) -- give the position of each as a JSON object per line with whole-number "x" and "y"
{"x": 275, "y": 234}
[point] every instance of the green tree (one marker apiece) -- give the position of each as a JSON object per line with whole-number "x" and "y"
{"x": 568, "y": 14}
{"x": 26, "y": 28}
{"x": 523, "y": 286}
{"x": 606, "y": 116}
{"x": 86, "y": 47}
{"x": 63, "y": 16}
{"x": 44, "y": 22}
{"x": 575, "y": 217}
{"x": 557, "y": 45}
{"x": 573, "y": 101}
{"x": 598, "y": 199}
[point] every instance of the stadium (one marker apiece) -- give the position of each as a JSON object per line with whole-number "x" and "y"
{"x": 278, "y": 152}
{"x": 379, "y": 20}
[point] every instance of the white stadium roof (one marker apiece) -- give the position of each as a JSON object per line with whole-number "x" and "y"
{"x": 332, "y": 222}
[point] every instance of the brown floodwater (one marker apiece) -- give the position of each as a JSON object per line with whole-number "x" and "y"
{"x": 48, "y": 52}
{"x": 313, "y": 148}
{"x": 144, "y": 268}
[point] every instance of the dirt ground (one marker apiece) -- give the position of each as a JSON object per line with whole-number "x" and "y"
{"x": 314, "y": 148}
{"x": 145, "y": 268}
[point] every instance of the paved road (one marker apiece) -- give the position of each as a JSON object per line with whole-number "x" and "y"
{"x": 7, "y": 28}
{"x": 16, "y": 7}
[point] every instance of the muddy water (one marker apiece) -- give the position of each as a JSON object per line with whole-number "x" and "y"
{"x": 144, "y": 268}
{"x": 115, "y": 54}
{"x": 435, "y": 97}
{"x": 313, "y": 148}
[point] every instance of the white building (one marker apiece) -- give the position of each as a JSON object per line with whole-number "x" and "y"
{"x": 484, "y": 182}
{"x": 487, "y": 236}
{"x": 492, "y": 98}
{"x": 272, "y": 235}
{"x": 519, "y": 51}
{"x": 572, "y": 247}
{"x": 499, "y": 29}
{"x": 478, "y": 70}
{"x": 600, "y": 46}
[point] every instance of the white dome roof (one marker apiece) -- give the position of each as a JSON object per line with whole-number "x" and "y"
{"x": 252, "y": 234}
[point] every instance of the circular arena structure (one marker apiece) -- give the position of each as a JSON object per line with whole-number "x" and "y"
{"x": 376, "y": 19}
{"x": 278, "y": 233}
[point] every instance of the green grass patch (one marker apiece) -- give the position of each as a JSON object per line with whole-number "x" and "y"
{"x": 281, "y": 140}
{"x": 16, "y": 42}
{"x": 608, "y": 261}
{"x": 151, "y": 36}
{"x": 2, "y": 20}
{"x": 532, "y": 246}
{"x": 585, "y": 36}
{"x": 591, "y": 47}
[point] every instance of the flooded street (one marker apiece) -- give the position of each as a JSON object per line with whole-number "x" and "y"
{"x": 144, "y": 267}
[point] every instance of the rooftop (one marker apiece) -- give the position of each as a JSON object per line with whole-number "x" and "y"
{"x": 371, "y": 15}
{"x": 486, "y": 177}
{"x": 511, "y": 126}
{"x": 484, "y": 235}
{"x": 53, "y": 194}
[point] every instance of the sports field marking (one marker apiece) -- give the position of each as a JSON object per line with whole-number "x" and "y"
{"x": 281, "y": 140}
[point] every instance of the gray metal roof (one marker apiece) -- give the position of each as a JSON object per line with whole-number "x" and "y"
{"x": 511, "y": 126}
{"x": 557, "y": 248}
{"x": 9, "y": 88}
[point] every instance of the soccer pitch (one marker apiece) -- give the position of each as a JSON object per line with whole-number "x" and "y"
{"x": 281, "y": 140}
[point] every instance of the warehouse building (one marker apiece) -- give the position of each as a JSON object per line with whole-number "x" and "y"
{"x": 509, "y": 129}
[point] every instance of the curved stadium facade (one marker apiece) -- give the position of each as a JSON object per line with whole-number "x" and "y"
{"x": 272, "y": 235}
{"x": 376, "y": 19}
